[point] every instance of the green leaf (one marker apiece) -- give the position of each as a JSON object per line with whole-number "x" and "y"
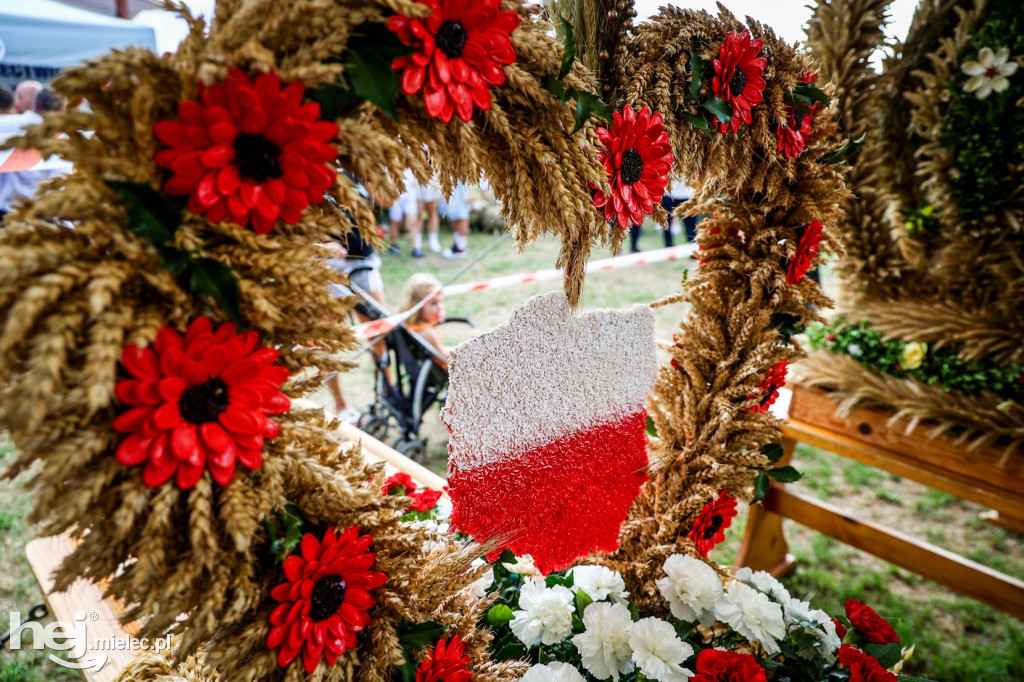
{"x": 812, "y": 92}
{"x": 553, "y": 85}
{"x": 633, "y": 613}
{"x": 583, "y": 600}
{"x": 888, "y": 655}
{"x": 174, "y": 260}
{"x": 696, "y": 74}
{"x": 849, "y": 148}
{"x": 720, "y": 108}
{"x": 150, "y": 213}
{"x": 408, "y": 666}
{"x": 577, "y": 624}
{"x": 372, "y": 78}
{"x": 568, "y": 47}
{"x": 334, "y": 99}
{"x": 207, "y": 276}
{"x": 786, "y": 474}
{"x": 684, "y": 628}
{"x": 588, "y": 104}
{"x": 511, "y": 652}
{"x": 700, "y": 123}
{"x": 499, "y": 615}
{"x": 652, "y": 430}
{"x": 773, "y": 451}
{"x": 420, "y": 634}
{"x": 556, "y": 579}
{"x": 761, "y": 484}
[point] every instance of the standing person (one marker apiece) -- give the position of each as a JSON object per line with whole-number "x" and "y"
{"x": 456, "y": 210}
{"x": 6, "y": 101}
{"x": 678, "y": 193}
{"x": 23, "y": 184}
{"x": 430, "y": 203}
{"x": 409, "y": 208}
{"x": 49, "y": 102}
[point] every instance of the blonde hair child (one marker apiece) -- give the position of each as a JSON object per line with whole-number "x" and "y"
{"x": 425, "y": 320}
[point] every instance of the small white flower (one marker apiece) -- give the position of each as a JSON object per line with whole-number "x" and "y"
{"x": 990, "y": 73}
{"x": 553, "y": 672}
{"x": 599, "y": 583}
{"x": 658, "y": 651}
{"x": 753, "y": 615}
{"x": 604, "y": 645}
{"x": 691, "y": 587}
{"x": 855, "y": 350}
{"x": 797, "y": 612}
{"x": 478, "y": 588}
{"x": 546, "y": 613}
{"x": 523, "y": 566}
{"x": 913, "y": 354}
{"x": 764, "y": 582}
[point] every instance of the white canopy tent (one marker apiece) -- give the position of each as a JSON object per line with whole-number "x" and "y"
{"x": 40, "y": 37}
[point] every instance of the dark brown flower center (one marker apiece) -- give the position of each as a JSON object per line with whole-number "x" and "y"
{"x": 738, "y": 82}
{"x": 257, "y": 158}
{"x": 204, "y": 403}
{"x": 991, "y": 71}
{"x": 798, "y": 119}
{"x": 712, "y": 528}
{"x": 632, "y": 167}
{"x": 328, "y": 594}
{"x": 451, "y": 39}
{"x": 769, "y": 391}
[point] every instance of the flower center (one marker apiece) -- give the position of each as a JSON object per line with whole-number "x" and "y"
{"x": 204, "y": 403}
{"x": 328, "y": 594}
{"x": 769, "y": 391}
{"x": 991, "y": 71}
{"x": 716, "y": 523}
{"x": 738, "y": 82}
{"x": 632, "y": 167}
{"x": 257, "y": 158}
{"x": 798, "y": 119}
{"x": 451, "y": 38}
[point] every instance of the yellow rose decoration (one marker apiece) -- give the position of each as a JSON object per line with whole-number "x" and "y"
{"x": 913, "y": 355}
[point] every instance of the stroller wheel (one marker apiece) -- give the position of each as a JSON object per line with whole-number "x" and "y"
{"x": 374, "y": 425}
{"x": 416, "y": 450}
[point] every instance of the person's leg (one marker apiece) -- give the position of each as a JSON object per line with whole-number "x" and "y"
{"x": 433, "y": 225}
{"x": 394, "y": 226}
{"x": 457, "y": 212}
{"x": 634, "y": 238}
{"x": 690, "y": 223}
{"x": 414, "y": 224}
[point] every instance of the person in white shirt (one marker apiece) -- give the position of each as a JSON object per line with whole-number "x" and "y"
{"x": 17, "y": 184}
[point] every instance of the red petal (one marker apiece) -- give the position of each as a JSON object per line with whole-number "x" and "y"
{"x": 134, "y": 450}
{"x": 185, "y": 441}
{"x": 154, "y": 475}
{"x": 141, "y": 363}
{"x": 132, "y": 420}
{"x": 293, "y": 566}
{"x": 167, "y": 416}
{"x": 189, "y": 475}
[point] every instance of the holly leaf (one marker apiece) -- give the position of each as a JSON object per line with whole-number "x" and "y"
{"x": 372, "y": 78}
{"x": 786, "y": 474}
{"x": 334, "y": 99}
{"x": 652, "y": 430}
{"x": 174, "y": 260}
{"x": 553, "y": 85}
{"x": 773, "y": 451}
{"x": 588, "y": 104}
{"x": 568, "y": 47}
{"x": 839, "y": 155}
{"x": 150, "y": 213}
{"x": 583, "y": 600}
{"x": 811, "y": 92}
{"x": 720, "y": 108}
{"x": 499, "y": 614}
{"x": 696, "y": 74}
{"x": 211, "y": 277}
{"x": 420, "y": 634}
{"x": 408, "y": 666}
{"x": 700, "y": 123}
{"x": 761, "y": 485}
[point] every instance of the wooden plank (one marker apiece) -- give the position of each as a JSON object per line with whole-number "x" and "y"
{"x": 395, "y": 460}
{"x": 764, "y": 546}
{"x": 887, "y": 460}
{"x": 1010, "y": 523}
{"x": 967, "y": 577}
{"x": 988, "y": 467}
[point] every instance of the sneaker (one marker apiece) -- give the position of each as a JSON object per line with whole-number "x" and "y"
{"x": 434, "y": 245}
{"x": 394, "y": 250}
{"x": 349, "y": 415}
{"x": 417, "y": 253}
{"x": 455, "y": 253}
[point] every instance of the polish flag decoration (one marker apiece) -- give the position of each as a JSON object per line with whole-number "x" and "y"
{"x": 546, "y": 412}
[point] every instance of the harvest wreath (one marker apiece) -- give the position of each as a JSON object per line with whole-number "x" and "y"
{"x": 166, "y": 302}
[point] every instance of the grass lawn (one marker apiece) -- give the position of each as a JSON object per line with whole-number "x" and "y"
{"x": 957, "y": 640}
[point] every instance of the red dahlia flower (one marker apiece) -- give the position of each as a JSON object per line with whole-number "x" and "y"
{"x": 806, "y": 250}
{"x": 709, "y": 528}
{"x": 637, "y": 157}
{"x": 770, "y": 385}
{"x": 199, "y": 401}
{"x": 325, "y": 600}
{"x": 250, "y": 151}
{"x": 739, "y": 77}
{"x": 461, "y": 48}
{"x": 446, "y": 663}
{"x": 873, "y": 627}
{"x": 725, "y": 666}
{"x": 863, "y": 667}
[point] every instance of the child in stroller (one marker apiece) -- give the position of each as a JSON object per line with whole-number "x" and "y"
{"x": 412, "y": 374}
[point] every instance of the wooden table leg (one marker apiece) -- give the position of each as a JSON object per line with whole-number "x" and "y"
{"x": 764, "y": 546}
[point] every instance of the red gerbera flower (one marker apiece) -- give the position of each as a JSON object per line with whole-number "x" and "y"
{"x": 863, "y": 667}
{"x": 739, "y": 77}
{"x": 461, "y": 49}
{"x": 867, "y": 622}
{"x": 446, "y": 663}
{"x": 637, "y": 157}
{"x": 709, "y": 528}
{"x": 806, "y": 250}
{"x": 770, "y": 385}
{"x": 726, "y": 666}
{"x": 250, "y": 152}
{"x": 793, "y": 134}
{"x": 198, "y": 401}
{"x": 325, "y": 600}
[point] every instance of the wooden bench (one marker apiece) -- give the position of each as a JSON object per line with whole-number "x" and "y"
{"x": 987, "y": 476}
{"x": 45, "y": 555}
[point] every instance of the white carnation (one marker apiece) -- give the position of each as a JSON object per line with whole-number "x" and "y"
{"x": 604, "y": 645}
{"x": 797, "y": 612}
{"x": 764, "y": 582}
{"x": 553, "y": 672}
{"x": 753, "y": 615}
{"x": 658, "y": 651}
{"x": 523, "y": 566}
{"x": 600, "y": 583}
{"x": 691, "y": 587}
{"x": 546, "y": 613}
